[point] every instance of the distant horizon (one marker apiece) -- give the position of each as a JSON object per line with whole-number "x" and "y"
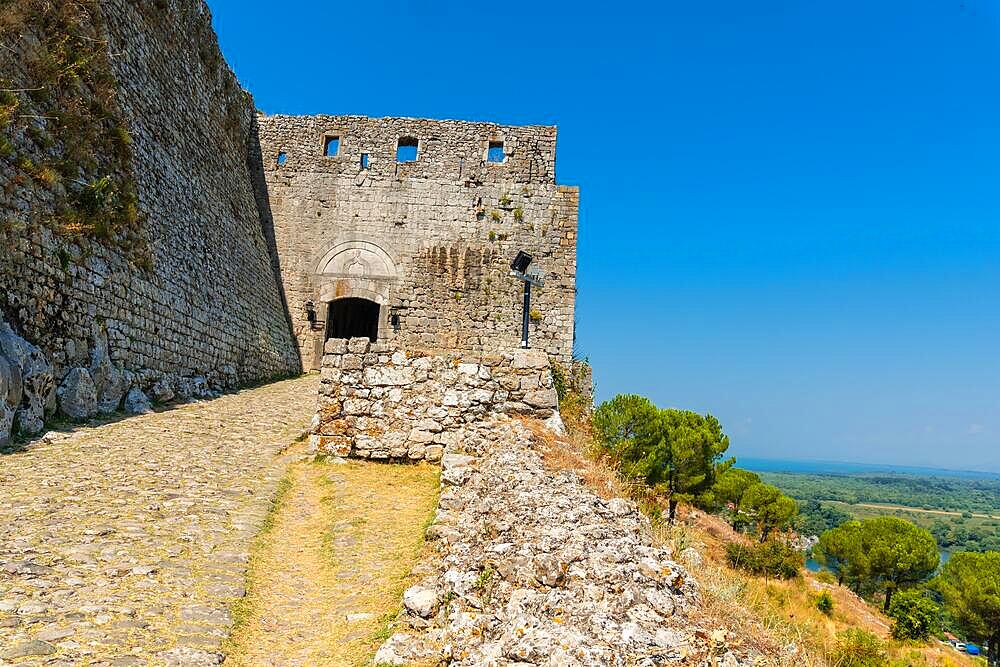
{"x": 828, "y": 466}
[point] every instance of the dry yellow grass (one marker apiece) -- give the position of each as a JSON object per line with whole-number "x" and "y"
{"x": 341, "y": 542}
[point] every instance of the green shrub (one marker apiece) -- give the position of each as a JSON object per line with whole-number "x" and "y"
{"x": 857, "y": 648}
{"x": 915, "y": 616}
{"x": 825, "y": 603}
{"x": 826, "y": 577}
{"x": 770, "y": 559}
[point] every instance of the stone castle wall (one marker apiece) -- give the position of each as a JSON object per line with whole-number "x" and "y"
{"x": 201, "y": 306}
{"x": 377, "y": 401}
{"x": 430, "y": 241}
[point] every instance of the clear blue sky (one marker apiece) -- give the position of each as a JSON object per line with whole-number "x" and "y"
{"x": 790, "y": 211}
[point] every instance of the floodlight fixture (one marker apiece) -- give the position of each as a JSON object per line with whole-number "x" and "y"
{"x": 519, "y": 270}
{"x": 521, "y": 262}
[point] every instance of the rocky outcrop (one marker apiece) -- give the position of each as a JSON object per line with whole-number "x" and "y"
{"x": 533, "y": 568}
{"x": 27, "y": 386}
{"x": 136, "y": 402}
{"x": 110, "y": 384}
{"x": 377, "y": 401}
{"x": 93, "y": 385}
{"x": 78, "y": 394}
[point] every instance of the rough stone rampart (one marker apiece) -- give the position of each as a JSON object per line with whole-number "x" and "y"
{"x": 530, "y": 567}
{"x": 377, "y": 401}
{"x": 138, "y": 251}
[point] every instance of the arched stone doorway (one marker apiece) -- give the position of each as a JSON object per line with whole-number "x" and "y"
{"x": 352, "y": 285}
{"x": 353, "y": 317}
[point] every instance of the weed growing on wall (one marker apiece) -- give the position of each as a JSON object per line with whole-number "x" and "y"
{"x": 61, "y": 126}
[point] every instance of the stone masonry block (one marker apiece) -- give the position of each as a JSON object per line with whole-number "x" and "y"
{"x": 335, "y": 346}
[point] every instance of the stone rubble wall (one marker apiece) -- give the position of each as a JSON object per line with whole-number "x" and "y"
{"x": 82, "y": 326}
{"x": 431, "y": 241}
{"x": 377, "y": 401}
{"x": 532, "y": 568}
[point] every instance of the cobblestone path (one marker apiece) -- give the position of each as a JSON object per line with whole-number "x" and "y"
{"x": 125, "y": 544}
{"x": 330, "y": 571}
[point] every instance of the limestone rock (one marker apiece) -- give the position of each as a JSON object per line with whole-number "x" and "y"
{"x": 162, "y": 390}
{"x": 110, "y": 397}
{"x": 397, "y": 650}
{"x": 555, "y": 423}
{"x": 530, "y": 359}
{"x": 389, "y": 376}
{"x": 136, "y": 402}
{"x": 387, "y": 404}
{"x": 416, "y": 435}
{"x": 6, "y": 422}
{"x": 335, "y": 346}
{"x": 78, "y": 395}
{"x": 38, "y": 387}
{"x": 691, "y": 557}
{"x": 28, "y": 648}
{"x": 542, "y": 399}
{"x": 109, "y": 383}
{"x": 10, "y": 383}
{"x": 421, "y": 601}
{"x": 358, "y": 345}
{"x": 200, "y": 387}
{"x": 533, "y": 568}
{"x": 10, "y": 397}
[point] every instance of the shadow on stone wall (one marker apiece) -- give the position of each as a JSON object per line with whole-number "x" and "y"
{"x": 255, "y": 167}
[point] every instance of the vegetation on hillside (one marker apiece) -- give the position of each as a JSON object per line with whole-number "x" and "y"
{"x": 676, "y": 453}
{"x": 970, "y": 584}
{"x": 956, "y": 494}
{"x": 964, "y": 517}
{"x": 674, "y": 460}
{"x": 878, "y": 555}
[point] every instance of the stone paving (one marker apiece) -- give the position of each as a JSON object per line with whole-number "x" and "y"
{"x": 125, "y": 544}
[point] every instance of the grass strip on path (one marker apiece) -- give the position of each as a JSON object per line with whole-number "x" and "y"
{"x": 329, "y": 569}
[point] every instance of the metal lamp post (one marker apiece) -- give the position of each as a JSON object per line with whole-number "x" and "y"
{"x": 519, "y": 270}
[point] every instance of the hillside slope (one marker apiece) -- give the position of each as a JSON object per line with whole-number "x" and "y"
{"x": 776, "y": 620}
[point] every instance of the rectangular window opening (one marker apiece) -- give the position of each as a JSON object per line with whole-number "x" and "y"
{"x": 364, "y": 160}
{"x": 331, "y": 146}
{"x": 495, "y": 153}
{"x": 282, "y": 158}
{"x": 406, "y": 149}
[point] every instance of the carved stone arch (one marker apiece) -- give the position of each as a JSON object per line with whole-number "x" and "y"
{"x": 357, "y": 258}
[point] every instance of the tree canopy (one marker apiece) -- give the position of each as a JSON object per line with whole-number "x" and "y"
{"x": 880, "y": 554}
{"x": 815, "y": 517}
{"x": 839, "y": 549}
{"x": 970, "y": 585}
{"x": 621, "y": 420}
{"x": 915, "y": 616}
{"x": 732, "y": 485}
{"x": 899, "y": 553}
{"x": 674, "y": 451}
{"x": 769, "y": 508}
